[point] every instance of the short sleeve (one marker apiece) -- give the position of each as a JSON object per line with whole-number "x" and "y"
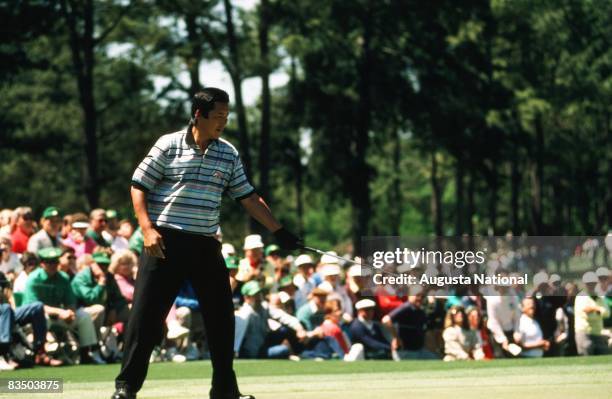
{"x": 151, "y": 170}
{"x": 239, "y": 186}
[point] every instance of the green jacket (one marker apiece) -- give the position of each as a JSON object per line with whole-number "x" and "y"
{"x": 52, "y": 291}
{"x": 88, "y": 292}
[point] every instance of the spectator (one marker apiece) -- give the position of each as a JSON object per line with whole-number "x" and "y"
{"x": 366, "y": 331}
{"x": 9, "y": 260}
{"x": 503, "y": 318}
{"x": 77, "y": 238}
{"x": 68, "y": 262}
{"x": 355, "y": 283}
{"x": 331, "y": 326}
{"x": 476, "y": 324}
{"x": 122, "y": 238}
{"x": 97, "y": 291}
{"x": 411, "y": 322}
{"x": 251, "y": 266}
{"x": 122, "y": 267}
{"x": 277, "y": 262}
{"x": 546, "y": 310}
{"x": 136, "y": 241}
{"x": 304, "y": 280}
{"x": 231, "y": 262}
{"x": 188, "y": 315}
{"x": 66, "y": 227}
{"x": 30, "y": 262}
{"x": 312, "y": 313}
{"x": 97, "y": 225}
{"x": 590, "y": 311}
{"x": 112, "y": 226}
{"x": 529, "y": 335}
{"x": 460, "y": 342}
{"x": 330, "y": 270}
{"x": 32, "y": 313}
{"x": 52, "y": 287}
{"x": 23, "y": 228}
{"x": 227, "y": 250}
{"x": 254, "y": 338}
{"x": 5, "y": 221}
{"x": 49, "y": 234}
{"x": 603, "y": 286}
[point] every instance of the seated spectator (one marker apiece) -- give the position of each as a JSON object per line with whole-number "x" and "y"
{"x": 355, "y": 283}
{"x": 30, "y": 262}
{"x": 68, "y": 263}
{"x": 49, "y": 234}
{"x": 603, "y": 286}
{"x": 97, "y": 225}
{"x": 411, "y": 322}
{"x": 529, "y": 335}
{"x": 121, "y": 240}
{"x": 188, "y": 315}
{"x": 305, "y": 279}
{"x": 9, "y": 260}
{"x": 122, "y": 267}
{"x": 251, "y": 266}
{"x": 460, "y": 342}
{"x": 330, "y": 270}
{"x": 23, "y": 228}
{"x": 254, "y": 338}
{"x": 97, "y": 292}
{"x": 77, "y": 238}
{"x": 50, "y": 286}
{"x": 331, "y": 326}
{"x": 312, "y": 313}
{"x": 366, "y": 331}
{"x": 10, "y": 315}
{"x": 231, "y": 262}
{"x": 590, "y": 310}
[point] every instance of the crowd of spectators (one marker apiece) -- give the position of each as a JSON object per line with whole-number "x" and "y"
{"x": 68, "y": 283}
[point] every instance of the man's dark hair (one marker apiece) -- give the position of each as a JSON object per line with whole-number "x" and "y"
{"x": 28, "y": 257}
{"x": 205, "y": 100}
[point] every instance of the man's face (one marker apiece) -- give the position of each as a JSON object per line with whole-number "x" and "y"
{"x": 367, "y": 314}
{"x": 213, "y": 125}
{"x": 125, "y": 230}
{"x": 529, "y": 307}
{"x": 98, "y": 223}
{"x": 52, "y": 225}
{"x": 50, "y": 267}
{"x": 416, "y": 300}
{"x": 26, "y": 222}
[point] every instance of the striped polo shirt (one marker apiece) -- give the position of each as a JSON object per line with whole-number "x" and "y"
{"x": 184, "y": 185}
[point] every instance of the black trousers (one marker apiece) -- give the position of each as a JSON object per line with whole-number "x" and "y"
{"x": 198, "y": 259}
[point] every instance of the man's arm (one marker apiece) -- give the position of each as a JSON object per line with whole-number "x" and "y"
{"x": 153, "y": 243}
{"x": 260, "y": 211}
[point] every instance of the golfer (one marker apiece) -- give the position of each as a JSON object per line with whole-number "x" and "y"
{"x": 176, "y": 192}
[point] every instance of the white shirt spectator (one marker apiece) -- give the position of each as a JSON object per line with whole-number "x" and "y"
{"x": 20, "y": 282}
{"x": 12, "y": 264}
{"x": 530, "y": 333}
{"x": 503, "y": 315}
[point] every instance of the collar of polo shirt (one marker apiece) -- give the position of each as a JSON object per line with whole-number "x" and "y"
{"x": 191, "y": 141}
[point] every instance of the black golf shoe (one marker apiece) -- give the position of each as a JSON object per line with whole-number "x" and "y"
{"x": 239, "y": 396}
{"x": 123, "y": 393}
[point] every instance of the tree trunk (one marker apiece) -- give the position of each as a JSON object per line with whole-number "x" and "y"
{"x": 436, "y": 197}
{"x": 264, "y": 139}
{"x": 537, "y": 178}
{"x": 236, "y": 76}
{"x": 195, "y": 54}
{"x": 494, "y": 186}
{"x": 470, "y": 204}
{"x": 515, "y": 181}
{"x": 459, "y": 196}
{"x": 396, "y": 190}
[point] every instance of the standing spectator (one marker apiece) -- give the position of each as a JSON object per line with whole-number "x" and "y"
{"x": 9, "y": 260}
{"x": 77, "y": 237}
{"x": 50, "y": 286}
{"x": 97, "y": 225}
{"x": 590, "y": 311}
{"x": 366, "y": 331}
{"x": 529, "y": 335}
{"x": 460, "y": 342}
{"x": 49, "y": 234}
{"x": 23, "y": 228}
{"x": 251, "y": 266}
{"x": 503, "y": 317}
{"x": 476, "y": 324}
{"x": 68, "y": 262}
{"x": 603, "y": 286}
{"x": 112, "y": 226}
{"x": 411, "y": 322}
{"x": 122, "y": 267}
{"x": 546, "y": 303}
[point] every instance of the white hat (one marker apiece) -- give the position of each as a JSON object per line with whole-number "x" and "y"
{"x": 554, "y": 278}
{"x": 253, "y": 241}
{"x": 329, "y": 270}
{"x": 589, "y": 277}
{"x": 365, "y": 304}
{"x": 354, "y": 271}
{"x": 540, "y": 278}
{"x": 303, "y": 260}
{"x": 227, "y": 250}
{"x": 326, "y": 286}
{"x": 602, "y": 272}
{"x": 284, "y": 297}
{"x": 80, "y": 225}
{"x": 328, "y": 259}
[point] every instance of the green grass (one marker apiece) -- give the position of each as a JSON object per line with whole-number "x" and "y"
{"x": 517, "y": 378}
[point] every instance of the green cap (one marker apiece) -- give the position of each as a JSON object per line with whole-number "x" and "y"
{"x": 271, "y": 248}
{"x": 231, "y": 262}
{"x": 101, "y": 258}
{"x": 49, "y": 253}
{"x": 251, "y": 288}
{"x": 111, "y": 214}
{"x": 286, "y": 281}
{"x": 50, "y": 212}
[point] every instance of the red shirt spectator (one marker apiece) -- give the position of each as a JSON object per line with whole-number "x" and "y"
{"x": 24, "y": 228}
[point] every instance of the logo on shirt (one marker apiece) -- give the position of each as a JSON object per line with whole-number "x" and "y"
{"x": 218, "y": 175}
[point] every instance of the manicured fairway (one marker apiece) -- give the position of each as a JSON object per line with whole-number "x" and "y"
{"x": 516, "y": 379}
